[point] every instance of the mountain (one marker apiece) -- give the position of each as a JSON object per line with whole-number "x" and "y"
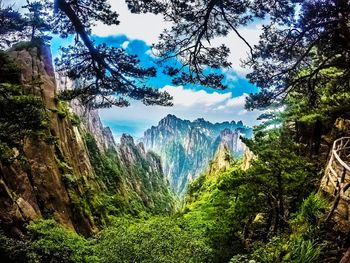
{"x": 186, "y": 147}
{"x": 71, "y": 170}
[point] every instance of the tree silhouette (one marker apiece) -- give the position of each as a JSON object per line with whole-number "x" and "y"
{"x": 110, "y": 75}
{"x": 107, "y": 71}
{"x": 301, "y": 39}
{"x": 12, "y": 25}
{"x": 297, "y": 53}
{"x": 195, "y": 24}
{"x": 38, "y": 20}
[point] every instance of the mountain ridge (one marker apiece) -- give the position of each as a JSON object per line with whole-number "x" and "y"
{"x": 186, "y": 147}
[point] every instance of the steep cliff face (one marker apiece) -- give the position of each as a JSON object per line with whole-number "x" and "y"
{"x": 221, "y": 162}
{"x": 37, "y": 187}
{"x": 187, "y": 147}
{"x": 74, "y": 173}
{"x": 89, "y": 117}
{"x": 145, "y": 176}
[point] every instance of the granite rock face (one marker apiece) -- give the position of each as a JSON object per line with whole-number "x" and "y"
{"x": 89, "y": 117}
{"x": 60, "y": 177}
{"x": 38, "y": 189}
{"x": 186, "y": 147}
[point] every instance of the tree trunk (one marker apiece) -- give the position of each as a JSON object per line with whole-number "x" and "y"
{"x": 280, "y": 214}
{"x": 317, "y": 137}
{"x": 346, "y": 257}
{"x": 269, "y": 218}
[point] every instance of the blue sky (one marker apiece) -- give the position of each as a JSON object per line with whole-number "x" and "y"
{"x": 135, "y": 34}
{"x": 190, "y": 101}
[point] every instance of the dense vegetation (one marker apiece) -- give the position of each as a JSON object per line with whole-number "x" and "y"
{"x": 266, "y": 213}
{"x": 120, "y": 197}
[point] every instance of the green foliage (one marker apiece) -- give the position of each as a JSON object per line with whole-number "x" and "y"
{"x": 9, "y": 73}
{"x": 329, "y": 104}
{"x": 163, "y": 240}
{"x": 160, "y": 240}
{"x": 47, "y": 242}
{"x": 303, "y": 243}
{"x": 211, "y": 211}
{"x": 22, "y": 112}
{"x": 304, "y": 251}
{"x": 107, "y": 167}
{"x": 281, "y": 250}
{"x": 268, "y": 210}
{"x": 311, "y": 210}
{"x": 74, "y": 119}
{"x": 51, "y": 242}
{"x": 62, "y": 109}
{"x": 14, "y": 250}
{"x": 299, "y": 59}
{"x": 148, "y": 192}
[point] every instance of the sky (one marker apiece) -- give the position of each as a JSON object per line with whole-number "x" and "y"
{"x": 135, "y": 34}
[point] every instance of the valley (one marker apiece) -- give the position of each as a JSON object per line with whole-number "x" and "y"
{"x": 237, "y": 163}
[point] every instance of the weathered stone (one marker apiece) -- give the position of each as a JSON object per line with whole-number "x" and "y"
{"x": 27, "y": 211}
{"x": 39, "y": 188}
{"x": 57, "y": 175}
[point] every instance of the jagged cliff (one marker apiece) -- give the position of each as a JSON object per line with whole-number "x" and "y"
{"x": 74, "y": 172}
{"x": 187, "y": 147}
{"x": 221, "y": 162}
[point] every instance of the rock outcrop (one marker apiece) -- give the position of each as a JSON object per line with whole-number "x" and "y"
{"x": 221, "y": 162}
{"x": 37, "y": 187}
{"x": 64, "y": 176}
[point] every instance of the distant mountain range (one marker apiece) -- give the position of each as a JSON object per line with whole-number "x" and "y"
{"x": 186, "y": 147}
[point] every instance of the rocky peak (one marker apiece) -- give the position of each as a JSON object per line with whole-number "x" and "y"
{"x": 172, "y": 123}
{"x": 201, "y": 122}
{"x": 187, "y": 147}
{"x": 226, "y": 132}
{"x": 221, "y": 161}
{"x": 169, "y": 119}
{"x": 141, "y": 147}
{"x": 108, "y": 136}
{"x": 127, "y": 139}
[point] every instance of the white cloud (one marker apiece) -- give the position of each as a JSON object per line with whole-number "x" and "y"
{"x": 237, "y": 101}
{"x": 146, "y": 27}
{"x": 190, "y": 98}
{"x": 239, "y": 50}
{"x": 188, "y": 104}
